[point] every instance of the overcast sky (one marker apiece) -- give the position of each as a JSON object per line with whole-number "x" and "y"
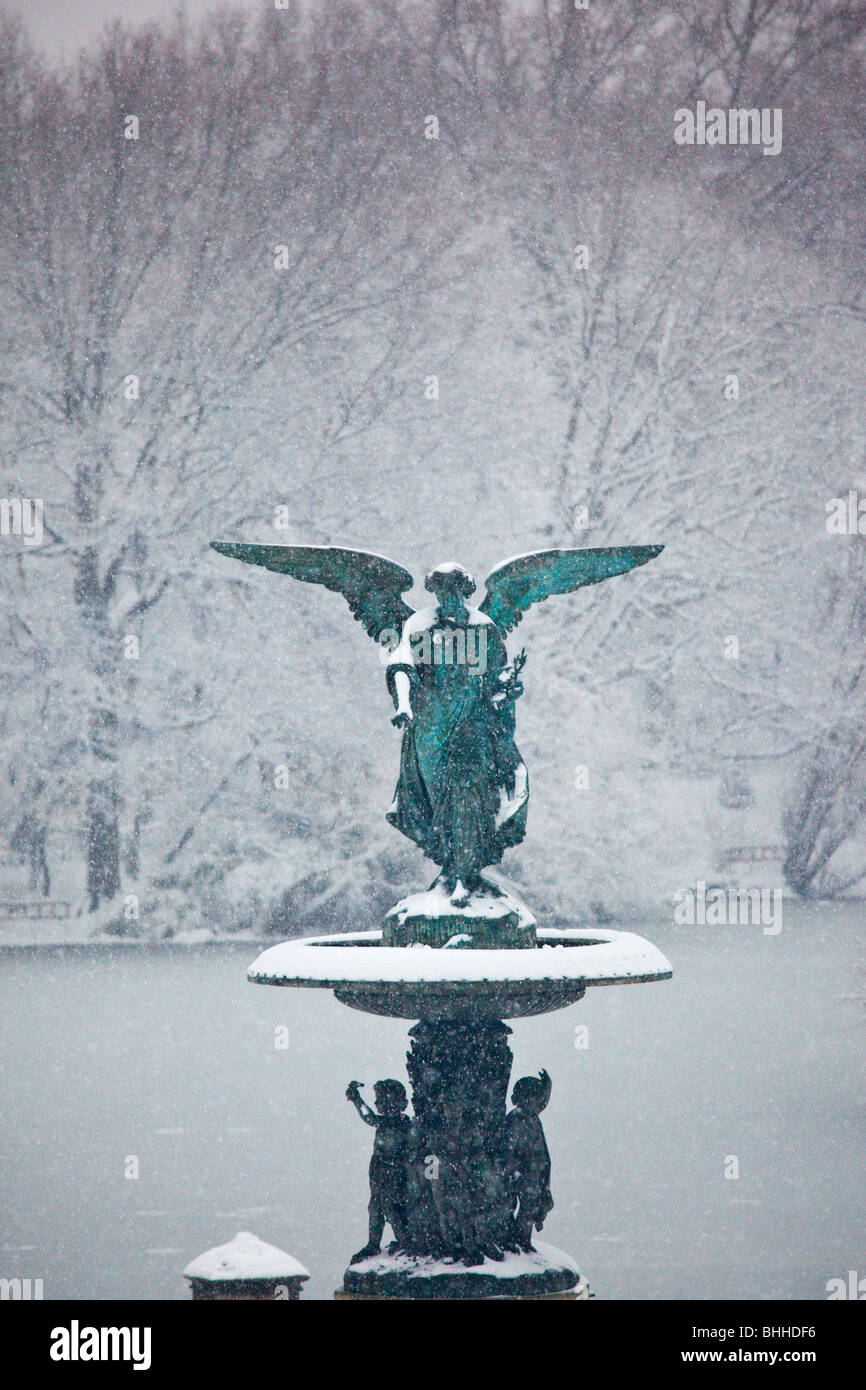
{"x": 62, "y": 24}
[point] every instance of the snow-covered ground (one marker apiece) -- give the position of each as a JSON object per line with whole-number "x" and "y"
{"x": 754, "y": 1050}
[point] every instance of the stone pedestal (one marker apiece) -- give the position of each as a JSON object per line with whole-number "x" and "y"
{"x": 458, "y": 1198}
{"x": 544, "y": 1272}
{"x": 491, "y": 918}
{"x": 581, "y": 1292}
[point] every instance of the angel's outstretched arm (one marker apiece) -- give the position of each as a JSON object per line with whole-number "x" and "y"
{"x": 400, "y": 673}
{"x": 402, "y": 699}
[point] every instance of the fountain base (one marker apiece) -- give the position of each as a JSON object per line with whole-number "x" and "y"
{"x": 544, "y": 1272}
{"x": 489, "y": 918}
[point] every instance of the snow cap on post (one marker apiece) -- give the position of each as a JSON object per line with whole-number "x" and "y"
{"x": 246, "y": 1268}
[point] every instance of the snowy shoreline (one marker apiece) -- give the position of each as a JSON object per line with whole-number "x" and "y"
{"x": 798, "y": 913}
{"x": 120, "y": 943}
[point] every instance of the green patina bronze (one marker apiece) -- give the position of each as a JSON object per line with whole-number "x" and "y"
{"x": 464, "y": 1180}
{"x": 463, "y": 789}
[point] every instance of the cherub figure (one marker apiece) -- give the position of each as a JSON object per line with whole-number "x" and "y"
{"x": 528, "y": 1157}
{"x": 388, "y": 1163}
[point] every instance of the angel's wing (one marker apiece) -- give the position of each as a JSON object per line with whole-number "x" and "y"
{"x": 371, "y": 585}
{"x": 516, "y": 585}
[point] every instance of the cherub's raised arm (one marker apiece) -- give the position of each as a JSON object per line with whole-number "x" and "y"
{"x": 353, "y": 1094}
{"x": 544, "y": 1078}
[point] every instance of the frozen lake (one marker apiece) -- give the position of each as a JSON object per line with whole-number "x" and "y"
{"x": 755, "y": 1049}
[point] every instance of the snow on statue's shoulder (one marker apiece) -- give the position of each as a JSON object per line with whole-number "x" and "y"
{"x": 246, "y": 1257}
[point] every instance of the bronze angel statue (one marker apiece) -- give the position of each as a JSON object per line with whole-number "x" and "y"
{"x": 463, "y": 789}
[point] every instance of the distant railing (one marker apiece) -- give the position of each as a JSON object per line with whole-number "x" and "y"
{"x": 37, "y": 910}
{"x": 752, "y": 854}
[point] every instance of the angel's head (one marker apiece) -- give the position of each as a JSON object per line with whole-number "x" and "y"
{"x": 452, "y": 584}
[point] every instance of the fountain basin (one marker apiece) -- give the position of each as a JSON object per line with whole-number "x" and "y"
{"x": 426, "y": 981}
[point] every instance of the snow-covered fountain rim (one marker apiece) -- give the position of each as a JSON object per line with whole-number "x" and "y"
{"x": 605, "y": 958}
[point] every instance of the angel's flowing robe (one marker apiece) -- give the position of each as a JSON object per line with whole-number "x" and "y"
{"x": 463, "y": 790}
